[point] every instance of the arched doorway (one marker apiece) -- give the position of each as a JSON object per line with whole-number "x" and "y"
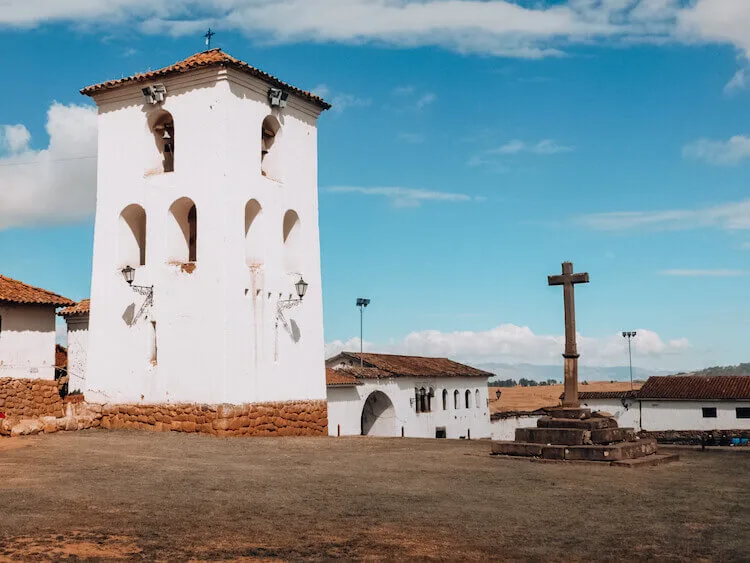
{"x": 378, "y": 415}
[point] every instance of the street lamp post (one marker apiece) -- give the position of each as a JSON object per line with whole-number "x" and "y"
{"x": 630, "y": 335}
{"x": 362, "y": 303}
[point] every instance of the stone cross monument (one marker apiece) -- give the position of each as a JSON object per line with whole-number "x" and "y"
{"x": 567, "y": 280}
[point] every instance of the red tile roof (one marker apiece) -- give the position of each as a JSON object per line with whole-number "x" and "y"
{"x": 593, "y": 395}
{"x": 337, "y": 377}
{"x": 388, "y": 365}
{"x": 206, "y": 59}
{"x": 82, "y": 308}
{"x": 14, "y": 291}
{"x": 697, "y": 388}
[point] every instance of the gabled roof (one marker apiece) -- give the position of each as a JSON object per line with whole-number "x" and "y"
{"x": 81, "y": 308}
{"x": 389, "y": 365}
{"x": 340, "y": 378}
{"x": 697, "y": 387}
{"x": 206, "y": 59}
{"x": 14, "y": 291}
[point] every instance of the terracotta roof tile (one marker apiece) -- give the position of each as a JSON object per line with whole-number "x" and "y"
{"x": 696, "y": 387}
{"x": 388, "y": 365}
{"x": 82, "y": 308}
{"x": 339, "y": 377}
{"x": 14, "y": 291}
{"x": 206, "y": 59}
{"x": 593, "y": 395}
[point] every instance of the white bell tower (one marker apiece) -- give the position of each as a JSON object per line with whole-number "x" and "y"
{"x": 207, "y": 203}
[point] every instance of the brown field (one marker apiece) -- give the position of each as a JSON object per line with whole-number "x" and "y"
{"x": 102, "y": 496}
{"x": 531, "y": 398}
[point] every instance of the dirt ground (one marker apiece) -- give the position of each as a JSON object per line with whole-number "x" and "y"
{"x": 99, "y": 495}
{"x": 531, "y": 398}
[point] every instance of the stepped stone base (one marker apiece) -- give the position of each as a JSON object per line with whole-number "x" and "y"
{"x": 609, "y": 452}
{"x": 575, "y": 435}
{"x": 585, "y": 424}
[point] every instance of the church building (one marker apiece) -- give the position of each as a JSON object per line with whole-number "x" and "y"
{"x": 206, "y": 267}
{"x": 409, "y": 396}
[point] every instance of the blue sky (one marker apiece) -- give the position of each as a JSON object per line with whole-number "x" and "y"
{"x": 472, "y": 147}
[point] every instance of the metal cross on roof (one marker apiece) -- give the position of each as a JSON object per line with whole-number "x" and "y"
{"x": 209, "y": 34}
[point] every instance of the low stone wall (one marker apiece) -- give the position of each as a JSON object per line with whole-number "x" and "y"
{"x": 295, "y": 418}
{"x": 696, "y": 437}
{"x": 30, "y": 398}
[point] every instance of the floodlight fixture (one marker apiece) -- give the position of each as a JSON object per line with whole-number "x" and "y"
{"x": 154, "y": 93}
{"x": 277, "y": 97}
{"x": 362, "y": 302}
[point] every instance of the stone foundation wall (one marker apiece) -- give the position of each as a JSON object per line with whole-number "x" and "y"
{"x": 696, "y": 437}
{"x": 30, "y": 398}
{"x": 294, "y": 418}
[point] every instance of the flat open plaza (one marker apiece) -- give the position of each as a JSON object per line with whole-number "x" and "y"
{"x": 173, "y": 496}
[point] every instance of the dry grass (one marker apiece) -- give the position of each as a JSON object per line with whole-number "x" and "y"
{"x": 130, "y": 495}
{"x": 531, "y": 398}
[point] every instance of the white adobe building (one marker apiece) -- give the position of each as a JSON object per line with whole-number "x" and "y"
{"x": 27, "y": 330}
{"x": 77, "y": 321}
{"x": 207, "y": 188}
{"x": 680, "y": 403}
{"x": 388, "y": 395}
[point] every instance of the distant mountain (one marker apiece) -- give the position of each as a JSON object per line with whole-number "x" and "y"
{"x": 739, "y": 369}
{"x": 585, "y": 373}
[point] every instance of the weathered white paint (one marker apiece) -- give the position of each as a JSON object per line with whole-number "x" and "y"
{"x": 78, "y": 344}
{"x": 217, "y": 334}
{"x": 346, "y": 403}
{"x": 27, "y": 341}
{"x": 688, "y": 415}
{"x": 504, "y": 428}
{"x": 625, "y": 411}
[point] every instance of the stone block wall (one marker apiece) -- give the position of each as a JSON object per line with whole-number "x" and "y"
{"x": 294, "y": 418}
{"x": 30, "y": 398}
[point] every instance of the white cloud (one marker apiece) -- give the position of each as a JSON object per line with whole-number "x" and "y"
{"x": 516, "y": 146}
{"x": 413, "y": 138}
{"x": 489, "y": 157}
{"x": 339, "y": 101}
{"x": 740, "y": 81}
{"x": 510, "y": 343}
{"x": 54, "y": 185}
{"x": 495, "y": 27}
{"x": 425, "y": 100}
{"x": 720, "y": 153}
{"x": 728, "y": 216}
{"x": 703, "y": 273}
{"x": 542, "y": 28}
{"x": 403, "y": 90}
{"x": 15, "y": 138}
{"x": 406, "y": 197}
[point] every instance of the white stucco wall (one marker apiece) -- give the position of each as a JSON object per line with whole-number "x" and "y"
{"x": 625, "y": 411}
{"x": 27, "y": 341}
{"x": 216, "y": 331}
{"x": 505, "y": 428}
{"x": 78, "y": 343}
{"x": 345, "y": 404}
{"x": 688, "y": 415}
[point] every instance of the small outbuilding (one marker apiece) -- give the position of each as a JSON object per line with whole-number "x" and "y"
{"x": 77, "y": 319}
{"x": 27, "y": 330}
{"x": 675, "y": 404}
{"x": 411, "y": 396}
